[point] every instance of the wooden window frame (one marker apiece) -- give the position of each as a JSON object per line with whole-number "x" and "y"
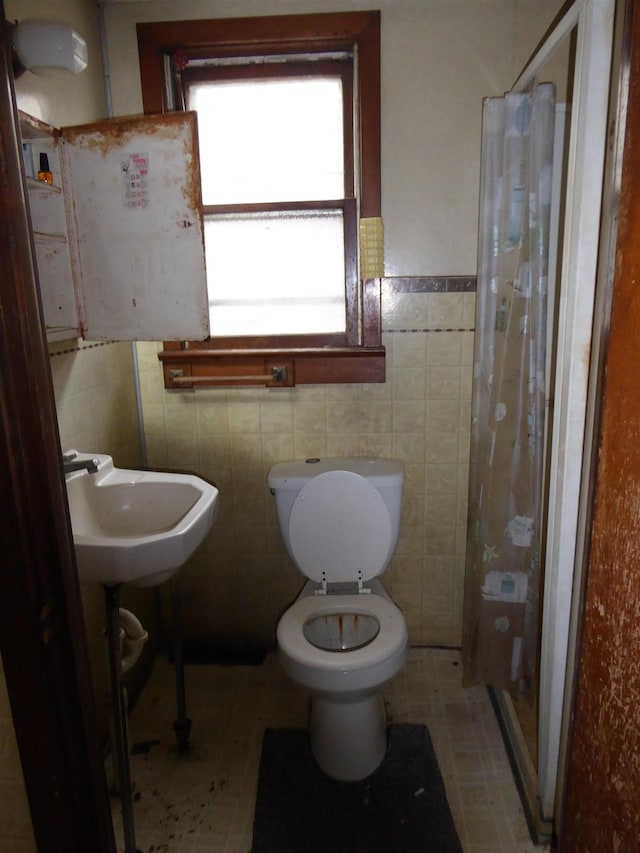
{"x": 306, "y": 359}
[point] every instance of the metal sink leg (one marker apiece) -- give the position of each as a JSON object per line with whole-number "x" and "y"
{"x": 182, "y": 723}
{"x": 112, "y": 622}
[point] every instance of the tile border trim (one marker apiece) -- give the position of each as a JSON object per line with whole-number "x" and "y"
{"x": 79, "y": 347}
{"x": 431, "y": 283}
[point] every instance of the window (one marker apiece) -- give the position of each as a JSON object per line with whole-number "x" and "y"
{"x": 284, "y": 190}
{"x": 276, "y": 194}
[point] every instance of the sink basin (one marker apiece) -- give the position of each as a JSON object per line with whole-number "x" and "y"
{"x": 136, "y": 526}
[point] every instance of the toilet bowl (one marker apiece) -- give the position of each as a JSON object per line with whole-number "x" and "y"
{"x": 343, "y": 638}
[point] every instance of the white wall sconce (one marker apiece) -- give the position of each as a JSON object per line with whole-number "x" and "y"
{"x": 42, "y": 46}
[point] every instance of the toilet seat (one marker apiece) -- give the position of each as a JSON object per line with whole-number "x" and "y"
{"x": 391, "y": 638}
{"x": 361, "y": 535}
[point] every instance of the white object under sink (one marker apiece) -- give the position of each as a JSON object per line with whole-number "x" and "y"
{"x": 136, "y": 526}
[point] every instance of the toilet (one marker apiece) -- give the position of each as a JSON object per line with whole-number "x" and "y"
{"x": 343, "y": 638}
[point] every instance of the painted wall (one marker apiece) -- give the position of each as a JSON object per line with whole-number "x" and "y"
{"x": 439, "y": 59}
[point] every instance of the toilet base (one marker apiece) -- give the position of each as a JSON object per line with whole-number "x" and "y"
{"x": 348, "y": 739}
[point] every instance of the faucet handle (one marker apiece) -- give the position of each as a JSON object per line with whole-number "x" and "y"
{"x": 69, "y": 455}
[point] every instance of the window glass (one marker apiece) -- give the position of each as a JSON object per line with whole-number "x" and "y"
{"x": 290, "y": 281}
{"x": 270, "y": 140}
{"x": 266, "y": 141}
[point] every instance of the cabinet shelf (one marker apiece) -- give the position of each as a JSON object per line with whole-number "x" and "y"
{"x": 45, "y": 237}
{"x": 34, "y": 185}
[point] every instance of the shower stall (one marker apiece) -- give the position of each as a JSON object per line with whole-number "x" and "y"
{"x": 543, "y": 234}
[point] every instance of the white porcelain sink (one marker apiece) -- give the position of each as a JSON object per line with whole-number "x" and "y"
{"x": 136, "y": 526}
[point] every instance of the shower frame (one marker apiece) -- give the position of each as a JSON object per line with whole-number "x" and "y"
{"x": 586, "y": 252}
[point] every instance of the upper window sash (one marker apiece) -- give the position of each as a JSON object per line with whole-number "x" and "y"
{"x": 342, "y": 69}
{"x": 233, "y": 37}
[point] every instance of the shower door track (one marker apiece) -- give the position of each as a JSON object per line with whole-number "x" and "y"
{"x": 522, "y": 766}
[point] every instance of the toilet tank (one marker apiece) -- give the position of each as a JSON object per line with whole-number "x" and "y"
{"x": 286, "y": 479}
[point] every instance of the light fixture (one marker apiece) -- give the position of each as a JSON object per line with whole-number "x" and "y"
{"x": 45, "y": 45}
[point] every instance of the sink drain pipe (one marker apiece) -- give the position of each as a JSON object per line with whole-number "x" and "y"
{"x": 132, "y": 638}
{"x": 129, "y": 645}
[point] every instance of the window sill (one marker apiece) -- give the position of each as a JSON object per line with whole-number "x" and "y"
{"x": 193, "y": 368}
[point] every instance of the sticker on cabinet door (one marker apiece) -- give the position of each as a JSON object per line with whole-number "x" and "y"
{"x": 135, "y": 176}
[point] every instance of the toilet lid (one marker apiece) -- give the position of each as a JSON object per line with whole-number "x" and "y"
{"x": 339, "y": 528}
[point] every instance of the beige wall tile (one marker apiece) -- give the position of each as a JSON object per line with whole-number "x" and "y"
{"x": 244, "y": 416}
{"x": 468, "y": 310}
{"x": 409, "y": 383}
{"x": 409, "y": 416}
{"x": 277, "y": 448}
{"x": 410, "y": 350}
{"x": 445, "y": 311}
{"x": 409, "y": 447}
{"x": 443, "y": 383}
{"x": 182, "y": 451}
{"x": 310, "y": 417}
{"x": 441, "y": 479}
{"x": 342, "y": 416}
{"x": 441, "y": 448}
{"x": 444, "y": 349}
{"x": 212, "y": 415}
{"x": 406, "y": 569}
{"x": 440, "y": 510}
{"x": 276, "y": 413}
{"x": 440, "y": 539}
{"x": 413, "y": 479}
{"x": 412, "y": 509}
{"x": 411, "y": 539}
{"x": 375, "y": 416}
{"x": 343, "y": 444}
{"x": 246, "y": 449}
{"x": 372, "y": 444}
{"x": 444, "y": 416}
{"x": 309, "y": 445}
{"x": 404, "y": 310}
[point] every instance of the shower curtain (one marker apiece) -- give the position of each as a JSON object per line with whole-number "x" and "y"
{"x": 503, "y": 564}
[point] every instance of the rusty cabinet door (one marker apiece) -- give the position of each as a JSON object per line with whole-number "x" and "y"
{"x": 132, "y": 189}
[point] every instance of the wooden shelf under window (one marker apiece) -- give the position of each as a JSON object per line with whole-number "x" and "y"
{"x": 303, "y": 366}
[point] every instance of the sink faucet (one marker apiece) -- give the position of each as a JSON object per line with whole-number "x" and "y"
{"x": 70, "y": 463}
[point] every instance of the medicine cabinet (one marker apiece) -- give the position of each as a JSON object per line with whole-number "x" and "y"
{"x": 118, "y": 232}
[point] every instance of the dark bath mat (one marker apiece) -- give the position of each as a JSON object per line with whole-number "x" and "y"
{"x": 401, "y": 808}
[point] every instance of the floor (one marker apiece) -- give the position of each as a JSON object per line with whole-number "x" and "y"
{"x": 202, "y": 801}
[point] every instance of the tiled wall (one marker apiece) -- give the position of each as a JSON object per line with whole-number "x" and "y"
{"x": 95, "y": 403}
{"x": 239, "y": 582}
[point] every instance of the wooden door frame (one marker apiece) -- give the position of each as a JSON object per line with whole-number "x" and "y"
{"x": 42, "y": 634}
{"x": 601, "y": 803}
